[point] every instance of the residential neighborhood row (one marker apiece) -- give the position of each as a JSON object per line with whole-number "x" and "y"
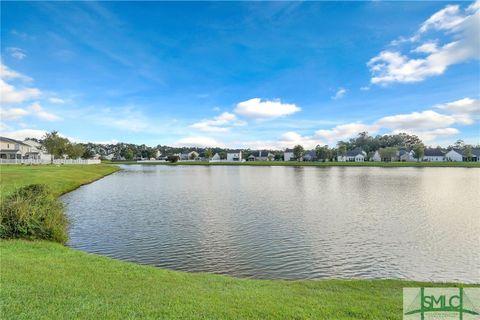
{"x": 35, "y": 151}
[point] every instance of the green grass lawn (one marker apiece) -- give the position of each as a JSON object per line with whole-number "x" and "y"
{"x": 61, "y": 179}
{"x": 313, "y": 164}
{"x": 44, "y": 280}
{"x": 50, "y": 281}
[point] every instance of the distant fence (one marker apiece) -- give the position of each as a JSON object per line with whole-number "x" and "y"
{"x": 45, "y": 161}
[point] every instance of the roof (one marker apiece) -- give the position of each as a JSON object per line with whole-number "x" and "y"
{"x": 234, "y": 151}
{"x": 310, "y": 153}
{"x": 8, "y": 140}
{"x": 354, "y": 153}
{"x": 475, "y": 151}
{"x": 288, "y": 150}
{"x": 434, "y": 153}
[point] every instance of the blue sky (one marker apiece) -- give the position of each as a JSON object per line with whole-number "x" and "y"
{"x": 243, "y": 74}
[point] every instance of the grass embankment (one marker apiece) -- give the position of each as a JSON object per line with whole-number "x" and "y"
{"x": 47, "y": 280}
{"x": 313, "y": 164}
{"x": 60, "y": 179}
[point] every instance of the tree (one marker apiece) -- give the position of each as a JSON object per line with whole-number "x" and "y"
{"x": 342, "y": 150}
{"x": 322, "y": 152}
{"x": 298, "y": 152}
{"x": 459, "y": 144}
{"x": 387, "y": 153}
{"x": 173, "y": 158}
{"x": 74, "y": 150}
{"x": 55, "y": 144}
{"x": 467, "y": 152}
{"x": 88, "y": 154}
{"x": 193, "y": 155}
{"x": 418, "y": 151}
{"x": 208, "y": 154}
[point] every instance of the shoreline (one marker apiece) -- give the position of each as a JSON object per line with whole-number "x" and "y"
{"x": 308, "y": 164}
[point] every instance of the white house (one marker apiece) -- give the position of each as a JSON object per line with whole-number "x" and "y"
{"x": 234, "y": 155}
{"x": 406, "y": 156}
{"x": 459, "y": 155}
{"x": 454, "y": 155}
{"x": 288, "y": 155}
{"x": 434, "y": 155}
{"x": 376, "y": 156}
{"x": 216, "y": 157}
{"x": 28, "y": 149}
{"x": 357, "y": 155}
{"x": 261, "y": 155}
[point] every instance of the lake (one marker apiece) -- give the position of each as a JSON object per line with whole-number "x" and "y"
{"x": 286, "y": 222}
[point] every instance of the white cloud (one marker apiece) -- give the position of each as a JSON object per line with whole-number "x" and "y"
{"x": 339, "y": 94}
{"x": 343, "y": 131}
{"x": 219, "y": 123}
{"x": 427, "y": 47}
{"x": 56, "y": 100}
{"x": 198, "y": 141}
{"x": 258, "y": 109}
{"x": 426, "y": 119}
{"x": 37, "y": 110}
{"x": 17, "y": 53}
{"x": 465, "y": 106}
{"x": 12, "y": 113}
{"x": 365, "y": 88}
{"x": 24, "y": 133}
{"x": 430, "y": 135}
{"x": 392, "y": 66}
{"x": 7, "y": 73}
{"x": 9, "y": 94}
{"x": 34, "y": 109}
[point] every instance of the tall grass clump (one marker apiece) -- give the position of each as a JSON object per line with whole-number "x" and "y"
{"x": 32, "y": 212}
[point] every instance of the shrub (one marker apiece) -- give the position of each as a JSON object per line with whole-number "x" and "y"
{"x": 173, "y": 159}
{"x": 33, "y": 212}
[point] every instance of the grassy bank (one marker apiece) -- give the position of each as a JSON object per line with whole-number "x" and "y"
{"x": 60, "y": 179}
{"x": 47, "y": 280}
{"x": 313, "y": 164}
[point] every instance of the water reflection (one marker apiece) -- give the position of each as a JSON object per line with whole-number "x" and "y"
{"x": 286, "y": 222}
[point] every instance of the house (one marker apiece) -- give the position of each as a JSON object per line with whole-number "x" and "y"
{"x": 192, "y": 155}
{"x": 310, "y": 155}
{"x": 376, "y": 156}
{"x": 288, "y": 155}
{"x": 234, "y": 155}
{"x": 37, "y": 151}
{"x": 356, "y": 155}
{"x": 406, "y": 156}
{"x": 216, "y": 157}
{"x": 13, "y": 149}
{"x": 434, "y": 155}
{"x": 261, "y": 155}
{"x": 458, "y": 155}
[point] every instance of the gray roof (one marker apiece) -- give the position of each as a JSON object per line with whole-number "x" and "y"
{"x": 434, "y": 152}
{"x": 475, "y": 151}
{"x": 354, "y": 153}
{"x": 8, "y": 140}
{"x": 288, "y": 150}
{"x": 234, "y": 151}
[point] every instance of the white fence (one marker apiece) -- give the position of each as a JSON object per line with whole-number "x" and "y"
{"x": 45, "y": 161}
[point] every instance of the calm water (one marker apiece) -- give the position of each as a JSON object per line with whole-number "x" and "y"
{"x": 286, "y": 222}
